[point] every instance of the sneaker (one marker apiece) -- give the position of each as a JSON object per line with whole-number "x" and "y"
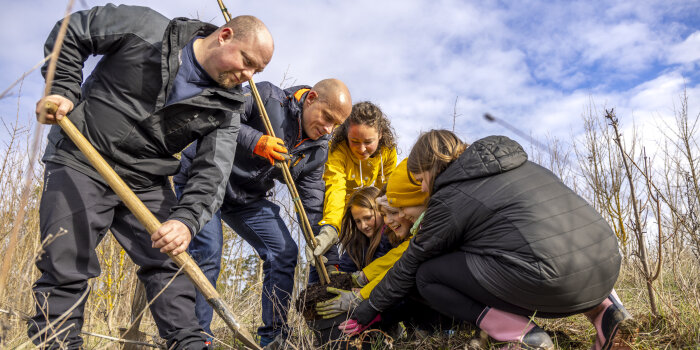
{"x": 208, "y": 342}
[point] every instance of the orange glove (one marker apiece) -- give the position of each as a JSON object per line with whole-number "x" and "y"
{"x": 271, "y": 148}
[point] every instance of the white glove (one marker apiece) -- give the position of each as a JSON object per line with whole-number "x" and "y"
{"x": 345, "y": 302}
{"x": 325, "y": 239}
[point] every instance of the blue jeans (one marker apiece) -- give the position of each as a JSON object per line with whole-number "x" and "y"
{"x": 260, "y": 224}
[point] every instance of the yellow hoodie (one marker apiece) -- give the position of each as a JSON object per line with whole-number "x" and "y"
{"x": 345, "y": 173}
{"x": 376, "y": 270}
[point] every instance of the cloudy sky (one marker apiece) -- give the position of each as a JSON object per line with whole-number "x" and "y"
{"x": 536, "y": 64}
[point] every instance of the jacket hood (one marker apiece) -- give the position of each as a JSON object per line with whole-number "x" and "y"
{"x": 489, "y": 156}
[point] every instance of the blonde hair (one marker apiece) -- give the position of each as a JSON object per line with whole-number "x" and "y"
{"x": 433, "y": 152}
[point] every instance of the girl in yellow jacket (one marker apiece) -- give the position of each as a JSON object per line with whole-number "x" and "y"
{"x": 402, "y": 208}
{"x": 362, "y": 153}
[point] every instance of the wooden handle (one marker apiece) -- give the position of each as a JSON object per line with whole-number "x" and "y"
{"x": 150, "y": 222}
{"x": 305, "y": 224}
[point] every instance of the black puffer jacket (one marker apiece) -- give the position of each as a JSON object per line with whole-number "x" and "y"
{"x": 528, "y": 238}
{"x": 120, "y": 107}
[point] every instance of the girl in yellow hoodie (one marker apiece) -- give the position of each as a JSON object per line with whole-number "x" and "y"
{"x": 402, "y": 209}
{"x": 362, "y": 153}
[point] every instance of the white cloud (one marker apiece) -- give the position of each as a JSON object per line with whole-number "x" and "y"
{"x": 535, "y": 64}
{"x": 687, "y": 51}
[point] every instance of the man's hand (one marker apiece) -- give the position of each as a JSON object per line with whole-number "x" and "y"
{"x": 172, "y": 237}
{"x": 325, "y": 239}
{"x": 64, "y": 107}
{"x": 345, "y": 302}
{"x": 271, "y": 148}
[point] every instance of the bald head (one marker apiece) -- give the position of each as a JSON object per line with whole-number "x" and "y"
{"x": 326, "y": 106}
{"x": 246, "y": 26}
{"x": 235, "y": 51}
{"x": 334, "y": 93}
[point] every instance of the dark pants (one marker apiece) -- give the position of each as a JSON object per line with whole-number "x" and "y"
{"x": 77, "y": 211}
{"x": 449, "y": 287}
{"x": 258, "y": 223}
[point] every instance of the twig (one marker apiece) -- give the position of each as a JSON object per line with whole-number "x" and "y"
{"x": 57, "y": 320}
{"x": 154, "y": 299}
{"x": 26, "y": 188}
{"x": 24, "y": 75}
{"x": 120, "y": 340}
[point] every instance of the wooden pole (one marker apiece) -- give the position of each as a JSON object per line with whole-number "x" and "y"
{"x": 151, "y": 223}
{"x": 305, "y": 224}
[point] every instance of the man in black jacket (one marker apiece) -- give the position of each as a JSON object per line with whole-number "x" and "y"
{"x": 303, "y": 118}
{"x": 160, "y": 85}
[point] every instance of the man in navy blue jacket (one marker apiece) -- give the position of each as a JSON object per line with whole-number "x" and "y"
{"x": 303, "y": 118}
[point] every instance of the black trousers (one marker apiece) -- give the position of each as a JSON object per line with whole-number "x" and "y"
{"x": 78, "y": 211}
{"x": 449, "y": 287}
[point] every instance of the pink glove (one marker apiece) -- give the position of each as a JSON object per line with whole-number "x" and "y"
{"x": 351, "y": 327}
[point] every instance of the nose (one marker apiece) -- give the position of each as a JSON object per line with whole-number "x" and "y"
{"x": 328, "y": 128}
{"x": 402, "y": 214}
{"x": 363, "y": 226}
{"x": 424, "y": 187}
{"x": 247, "y": 74}
{"x": 363, "y": 148}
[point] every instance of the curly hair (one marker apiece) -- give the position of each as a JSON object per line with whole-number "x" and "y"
{"x": 366, "y": 113}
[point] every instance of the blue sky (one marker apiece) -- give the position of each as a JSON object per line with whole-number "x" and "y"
{"x": 536, "y": 64}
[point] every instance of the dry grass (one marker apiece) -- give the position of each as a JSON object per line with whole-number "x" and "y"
{"x": 677, "y": 289}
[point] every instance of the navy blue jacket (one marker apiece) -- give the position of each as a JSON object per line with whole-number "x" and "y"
{"x": 252, "y": 176}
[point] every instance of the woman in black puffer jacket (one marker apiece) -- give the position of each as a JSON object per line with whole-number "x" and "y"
{"x": 503, "y": 239}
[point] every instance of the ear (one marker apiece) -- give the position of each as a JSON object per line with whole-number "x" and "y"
{"x": 311, "y": 96}
{"x": 225, "y": 35}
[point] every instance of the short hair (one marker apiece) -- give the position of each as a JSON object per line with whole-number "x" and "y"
{"x": 244, "y": 25}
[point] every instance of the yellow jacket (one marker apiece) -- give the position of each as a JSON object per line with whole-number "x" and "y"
{"x": 344, "y": 175}
{"x": 376, "y": 270}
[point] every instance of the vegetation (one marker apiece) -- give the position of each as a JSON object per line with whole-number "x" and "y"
{"x": 652, "y": 202}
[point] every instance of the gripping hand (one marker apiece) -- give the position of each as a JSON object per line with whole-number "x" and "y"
{"x": 325, "y": 239}
{"x": 271, "y": 148}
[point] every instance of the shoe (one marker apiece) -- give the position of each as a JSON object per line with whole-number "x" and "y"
{"x": 207, "y": 342}
{"x": 519, "y": 331}
{"x": 615, "y": 328}
{"x": 272, "y": 343}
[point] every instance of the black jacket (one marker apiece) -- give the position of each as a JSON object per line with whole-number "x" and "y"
{"x": 528, "y": 238}
{"x": 252, "y": 177}
{"x": 120, "y": 107}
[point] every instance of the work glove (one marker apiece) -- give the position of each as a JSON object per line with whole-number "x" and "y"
{"x": 359, "y": 279}
{"x": 325, "y": 239}
{"x": 271, "y": 148}
{"x": 342, "y": 304}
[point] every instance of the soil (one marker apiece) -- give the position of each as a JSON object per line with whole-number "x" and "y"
{"x": 316, "y": 293}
